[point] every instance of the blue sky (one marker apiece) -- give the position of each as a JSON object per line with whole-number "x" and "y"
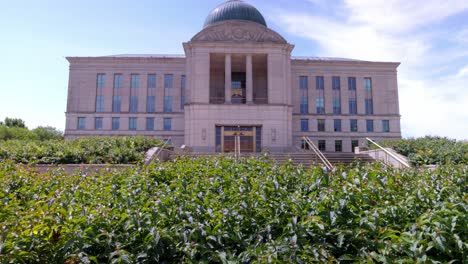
{"x": 429, "y": 37}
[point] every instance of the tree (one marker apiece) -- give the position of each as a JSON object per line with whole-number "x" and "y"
{"x": 14, "y": 122}
{"x": 47, "y": 133}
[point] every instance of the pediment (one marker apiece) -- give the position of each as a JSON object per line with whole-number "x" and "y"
{"x": 238, "y": 31}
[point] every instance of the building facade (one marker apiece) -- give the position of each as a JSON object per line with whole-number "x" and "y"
{"x": 237, "y": 78}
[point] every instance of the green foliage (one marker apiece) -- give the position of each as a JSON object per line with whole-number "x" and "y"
{"x": 217, "y": 210}
{"x": 431, "y": 150}
{"x": 95, "y": 150}
{"x": 22, "y": 133}
{"x": 14, "y": 122}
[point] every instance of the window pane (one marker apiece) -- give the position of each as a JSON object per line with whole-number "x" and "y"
{"x": 115, "y": 123}
{"x": 386, "y": 126}
{"x": 151, "y": 81}
{"x": 320, "y": 98}
{"x": 304, "y": 94}
{"x": 98, "y": 123}
{"x": 353, "y": 125}
{"x": 150, "y": 123}
{"x": 336, "y": 85}
{"x": 133, "y": 104}
{"x": 151, "y": 104}
{"x": 368, "y": 96}
{"x": 117, "y": 104}
{"x": 118, "y": 81}
{"x": 322, "y": 145}
{"x": 167, "y": 124}
{"x": 132, "y": 123}
{"x": 337, "y": 125}
{"x": 135, "y": 81}
{"x": 321, "y": 125}
{"x": 183, "y": 88}
{"x": 354, "y": 144}
{"x": 304, "y": 125}
{"x": 338, "y": 146}
{"x": 370, "y": 125}
{"x": 81, "y": 123}
{"x": 167, "y": 104}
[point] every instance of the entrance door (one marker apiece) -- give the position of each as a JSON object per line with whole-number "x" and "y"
{"x": 246, "y": 135}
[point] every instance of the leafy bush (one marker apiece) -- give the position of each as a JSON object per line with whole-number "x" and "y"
{"x": 22, "y": 133}
{"x": 217, "y": 210}
{"x": 97, "y": 150}
{"x": 431, "y": 150}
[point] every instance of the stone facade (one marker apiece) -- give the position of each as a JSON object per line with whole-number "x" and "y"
{"x": 235, "y": 73}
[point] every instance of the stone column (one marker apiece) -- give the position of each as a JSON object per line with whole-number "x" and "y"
{"x": 249, "y": 76}
{"x": 228, "y": 76}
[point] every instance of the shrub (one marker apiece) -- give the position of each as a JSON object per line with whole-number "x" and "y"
{"x": 218, "y": 210}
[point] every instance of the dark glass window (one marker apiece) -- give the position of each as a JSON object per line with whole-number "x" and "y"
{"x": 100, "y": 103}
{"x": 151, "y": 104}
{"x": 116, "y": 104}
{"x": 386, "y": 126}
{"x": 370, "y": 125}
{"x": 115, "y": 123}
{"x": 353, "y": 124}
{"x": 304, "y": 125}
{"x": 133, "y": 104}
{"x": 336, "y": 85}
{"x": 118, "y": 81}
{"x": 218, "y": 139}
{"x": 151, "y": 96}
{"x": 168, "y": 92}
{"x": 352, "y": 95}
{"x": 98, "y": 123}
{"x": 320, "y": 98}
{"x": 81, "y": 123}
{"x": 337, "y": 125}
{"x": 100, "y": 85}
{"x": 150, "y": 123}
{"x": 258, "y": 139}
{"x": 182, "y": 92}
{"x": 322, "y": 145}
{"x": 354, "y": 144}
{"x": 132, "y": 123}
{"x": 338, "y": 146}
{"x": 321, "y": 125}
{"x": 304, "y": 93}
{"x": 167, "y": 124}
{"x": 369, "y": 104}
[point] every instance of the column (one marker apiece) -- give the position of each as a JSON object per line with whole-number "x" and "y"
{"x": 228, "y": 75}
{"x": 249, "y": 79}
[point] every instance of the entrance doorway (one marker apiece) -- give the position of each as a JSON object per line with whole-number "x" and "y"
{"x": 249, "y": 136}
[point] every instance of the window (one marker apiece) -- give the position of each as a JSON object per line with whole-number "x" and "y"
{"x": 369, "y": 104}
{"x": 150, "y": 123}
{"x": 182, "y": 91}
{"x": 98, "y": 123}
{"x": 116, "y": 103}
{"x": 320, "y": 99}
{"x": 353, "y": 125}
{"x": 304, "y": 125}
{"x": 99, "y": 103}
{"x": 133, "y": 103}
{"x": 81, "y": 123}
{"x": 118, "y": 81}
{"x": 151, "y": 97}
{"x": 386, "y": 126}
{"x": 134, "y": 86}
{"x": 132, "y": 123}
{"x": 370, "y": 125}
{"x": 354, "y": 144}
{"x": 322, "y": 145}
{"x": 101, "y": 81}
{"x": 336, "y": 85}
{"x": 134, "y": 81}
{"x": 100, "y": 85}
{"x": 115, "y": 123}
{"x": 352, "y": 96}
{"x": 168, "y": 90}
{"x": 117, "y": 97}
{"x": 321, "y": 125}
{"x": 337, "y": 125}
{"x": 167, "y": 124}
{"x": 304, "y": 145}
{"x": 338, "y": 146}
{"x": 304, "y": 93}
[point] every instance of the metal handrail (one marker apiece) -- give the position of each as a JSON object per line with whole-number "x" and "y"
{"x": 317, "y": 151}
{"x": 161, "y": 148}
{"x": 404, "y": 163}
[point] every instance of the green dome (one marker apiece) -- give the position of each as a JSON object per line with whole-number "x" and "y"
{"x": 235, "y": 10}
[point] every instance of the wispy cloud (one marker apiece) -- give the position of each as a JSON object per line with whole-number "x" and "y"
{"x": 412, "y": 32}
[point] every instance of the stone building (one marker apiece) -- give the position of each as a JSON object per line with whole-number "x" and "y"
{"x": 237, "y": 77}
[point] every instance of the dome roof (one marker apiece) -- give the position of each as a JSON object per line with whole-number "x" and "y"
{"x": 235, "y": 10}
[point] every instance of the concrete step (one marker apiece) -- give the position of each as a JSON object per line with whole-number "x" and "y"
{"x": 304, "y": 158}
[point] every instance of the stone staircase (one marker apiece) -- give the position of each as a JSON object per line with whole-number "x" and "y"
{"x": 304, "y": 158}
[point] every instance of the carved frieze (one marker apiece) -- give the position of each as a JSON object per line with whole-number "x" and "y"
{"x": 238, "y": 32}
